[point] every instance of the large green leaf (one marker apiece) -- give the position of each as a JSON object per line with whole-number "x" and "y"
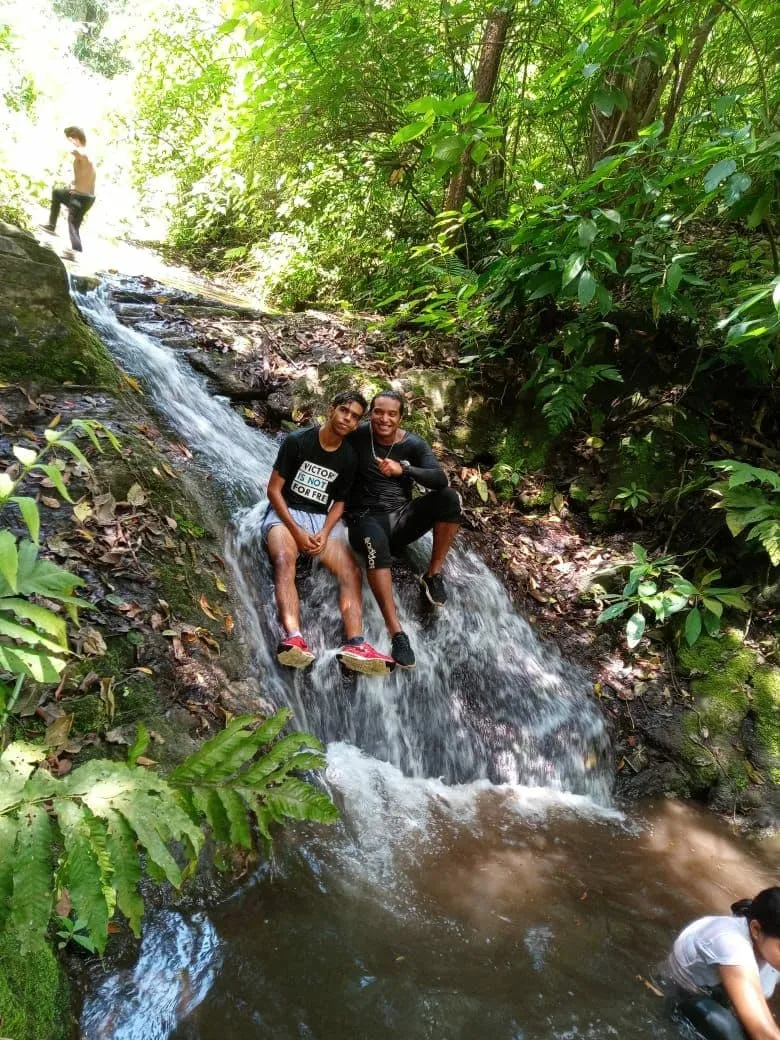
{"x": 9, "y": 560}
{"x": 28, "y": 507}
{"x": 586, "y": 288}
{"x": 718, "y": 173}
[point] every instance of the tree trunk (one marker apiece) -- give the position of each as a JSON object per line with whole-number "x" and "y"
{"x": 681, "y": 84}
{"x": 490, "y": 54}
{"x": 645, "y": 90}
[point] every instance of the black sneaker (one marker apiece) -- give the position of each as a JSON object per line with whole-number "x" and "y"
{"x": 433, "y": 587}
{"x": 402, "y": 652}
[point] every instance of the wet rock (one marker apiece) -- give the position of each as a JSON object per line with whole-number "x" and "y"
{"x": 280, "y": 404}
{"x": 42, "y": 335}
{"x": 660, "y": 778}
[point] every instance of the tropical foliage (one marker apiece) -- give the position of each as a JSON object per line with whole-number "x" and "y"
{"x": 83, "y": 843}
{"x": 94, "y": 832}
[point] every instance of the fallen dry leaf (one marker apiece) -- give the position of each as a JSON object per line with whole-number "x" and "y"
{"x": 63, "y": 905}
{"x": 92, "y": 642}
{"x": 136, "y": 496}
{"x": 211, "y": 612}
{"x": 57, "y": 731}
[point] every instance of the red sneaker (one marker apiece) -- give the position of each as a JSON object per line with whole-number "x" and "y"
{"x": 362, "y": 657}
{"x": 294, "y": 653}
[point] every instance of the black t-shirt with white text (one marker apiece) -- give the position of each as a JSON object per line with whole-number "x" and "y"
{"x": 314, "y": 478}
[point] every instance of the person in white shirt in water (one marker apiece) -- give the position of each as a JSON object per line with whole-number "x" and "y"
{"x": 311, "y": 478}
{"x": 723, "y": 969}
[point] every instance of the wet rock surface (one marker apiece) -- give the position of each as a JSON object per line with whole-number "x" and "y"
{"x": 42, "y": 336}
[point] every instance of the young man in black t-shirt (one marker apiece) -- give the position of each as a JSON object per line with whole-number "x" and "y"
{"x": 383, "y": 518}
{"x": 310, "y": 481}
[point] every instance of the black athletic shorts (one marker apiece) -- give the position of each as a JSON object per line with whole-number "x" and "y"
{"x": 380, "y": 536}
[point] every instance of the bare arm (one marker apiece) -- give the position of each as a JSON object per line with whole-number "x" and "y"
{"x": 303, "y": 540}
{"x": 743, "y": 987}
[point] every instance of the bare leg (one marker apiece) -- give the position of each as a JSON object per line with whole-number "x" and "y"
{"x": 381, "y": 582}
{"x": 339, "y": 561}
{"x": 443, "y": 537}
{"x": 284, "y": 554}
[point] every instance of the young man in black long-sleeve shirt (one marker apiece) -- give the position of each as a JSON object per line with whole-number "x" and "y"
{"x": 383, "y": 518}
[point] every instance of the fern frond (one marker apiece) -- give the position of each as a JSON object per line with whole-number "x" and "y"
{"x": 123, "y": 851}
{"x": 32, "y": 882}
{"x": 300, "y": 801}
{"x": 8, "y": 829}
{"x": 768, "y": 534}
{"x": 287, "y": 748}
{"x": 206, "y": 802}
{"x": 236, "y": 813}
{"x": 225, "y": 754}
{"x": 83, "y": 869}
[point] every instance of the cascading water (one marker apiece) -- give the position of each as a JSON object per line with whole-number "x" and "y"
{"x": 486, "y": 700}
{"x": 479, "y": 885}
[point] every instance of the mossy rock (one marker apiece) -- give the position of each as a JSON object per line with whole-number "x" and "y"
{"x": 734, "y": 695}
{"x": 520, "y": 450}
{"x": 34, "y": 999}
{"x": 766, "y": 706}
{"x": 316, "y": 388}
{"x": 44, "y": 339}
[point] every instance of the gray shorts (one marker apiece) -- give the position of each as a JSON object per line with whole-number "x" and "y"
{"x": 312, "y": 523}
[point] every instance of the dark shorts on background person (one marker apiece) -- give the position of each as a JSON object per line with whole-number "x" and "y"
{"x": 378, "y": 537}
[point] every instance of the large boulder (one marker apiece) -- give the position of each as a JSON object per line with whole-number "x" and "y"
{"x": 442, "y": 406}
{"x": 43, "y": 339}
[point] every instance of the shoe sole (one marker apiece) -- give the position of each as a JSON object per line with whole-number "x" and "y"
{"x": 295, "y": 658}
{"x": 430, "y": 598}
{"x": 365, "y": 667}
{"x": 406, "y": 667}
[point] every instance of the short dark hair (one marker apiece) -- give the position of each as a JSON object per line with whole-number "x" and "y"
{"x": 395, "y": 395}
{"x": 347, "y": 396}
{"x": 77, "y": 133}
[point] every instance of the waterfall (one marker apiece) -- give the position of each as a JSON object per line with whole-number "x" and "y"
{"x": 488, "y": 710}
{"x": 487, "y": 699}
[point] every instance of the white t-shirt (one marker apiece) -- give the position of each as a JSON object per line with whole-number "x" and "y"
{"x": 709, "y": 942}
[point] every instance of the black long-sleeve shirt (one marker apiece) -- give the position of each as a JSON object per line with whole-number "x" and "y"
{"x": 374, "y": 493}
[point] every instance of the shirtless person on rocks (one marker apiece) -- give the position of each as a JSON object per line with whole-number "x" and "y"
{"x": 310, "y": 481}
{"x": 382, "y": 516}
{"x": 79, "y": 196}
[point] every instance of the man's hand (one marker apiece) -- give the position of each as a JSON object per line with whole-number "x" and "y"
{"x": 306, "y": 542}
{"x": 320, "y": 541}
{"x": 389, "y": 467}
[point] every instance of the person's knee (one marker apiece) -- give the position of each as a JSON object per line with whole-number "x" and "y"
{"x": 448, "y": 506}
{"x": 283, "y": 561}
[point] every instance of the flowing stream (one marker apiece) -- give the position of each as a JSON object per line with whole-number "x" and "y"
{"x": 480, "y": 884}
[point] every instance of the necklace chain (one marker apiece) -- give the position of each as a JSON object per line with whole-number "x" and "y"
{"x": 373, "y": 445}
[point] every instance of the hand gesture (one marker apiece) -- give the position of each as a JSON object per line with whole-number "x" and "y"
{"x": 320, "y": 541}
{"x": 389, "y": 467}
{"x": 306, "y": 542}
